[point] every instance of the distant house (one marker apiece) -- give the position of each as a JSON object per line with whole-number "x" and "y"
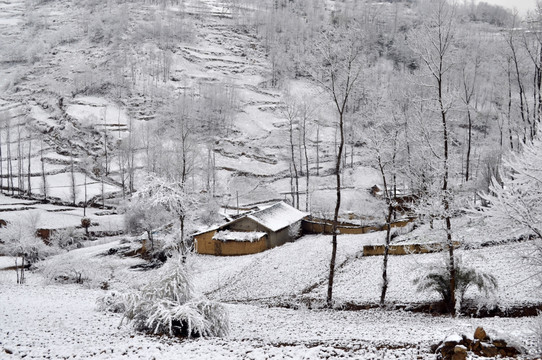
{"x": 403, "y": 197}
{"x": 252, "y": 233}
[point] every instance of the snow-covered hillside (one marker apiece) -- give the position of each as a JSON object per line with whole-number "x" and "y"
{"x": 204, "y": 109}
{"x": 62, "y": 141}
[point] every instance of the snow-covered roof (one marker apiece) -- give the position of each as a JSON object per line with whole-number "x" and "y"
{"x": 277, "y": 216}
{"x": 249, "y": 236}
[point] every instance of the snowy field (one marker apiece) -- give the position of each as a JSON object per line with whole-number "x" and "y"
{"x": 44, "y": 319}
{"x": 48, "y": 216}
{"x": 60, "y": 322}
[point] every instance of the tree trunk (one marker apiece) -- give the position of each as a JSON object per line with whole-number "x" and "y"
{"x": 29, "y": 172}
{"x": 446, "y": 201}
{"x": 524, "y": 109}
{"x": 385, "y": 281}
{"x": 22, "y": 269}
{"x": 103, "y": 191}
{"x": 335, "y": 215}
{"x": 1, "y": 164}
{"x": 184, "y": 249}
{"x": 106, "y": 155}
{"x": 509, "y": 114}
{"x": 17, "y": 269}
{"x": 538, "y": 90}
{"x": 469, "y": 142}
{"x": 307, "y": 175}
{"x": 20, "y": 181}
{"x": 85, "y": 202}
{"x": 317, "y": 149}
{"x": 43, "y": 175}
{"x": 294, "y": 166}
{"x": 72, "y": 176}
{"x": 9, "y": 160}
{"x": 131, "y": 158}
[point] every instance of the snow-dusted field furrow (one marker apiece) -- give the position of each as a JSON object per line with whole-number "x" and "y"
{"x": 284, "y": 271}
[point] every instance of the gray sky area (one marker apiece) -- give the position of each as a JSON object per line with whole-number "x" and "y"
{"x": 521, "y": 5}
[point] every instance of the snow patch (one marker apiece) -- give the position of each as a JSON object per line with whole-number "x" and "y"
{"x": 241, "y": 236}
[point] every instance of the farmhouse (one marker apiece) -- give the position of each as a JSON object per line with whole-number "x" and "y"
{"x": 252, "y": 233}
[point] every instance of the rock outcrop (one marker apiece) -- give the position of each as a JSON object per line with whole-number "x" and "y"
{"x": 457, "y": 347}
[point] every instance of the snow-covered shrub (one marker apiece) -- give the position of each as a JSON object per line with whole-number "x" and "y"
{"x": 19, "y": 239}
{"x": 106, "y": 26}
{"x": 140, "y": 215}
{"x": 169, "y": 306}
{"x": 294, "y": 231}
{"x": 112, "y": 302}
{"x": 67, "y": 238}
{"x": 35, "y": 51}
{"x": 71, "y": 268}
{"x": 169, "y": 243}
{"x": 514, "y": 205}
{"x": 209, "y": 213}
{"x": 437, "y": 279}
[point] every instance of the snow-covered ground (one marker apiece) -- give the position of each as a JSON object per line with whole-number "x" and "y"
{"x": 61, "y": 321}
{"x": 48, "y": 216}
{"x": 44, "y": 319}
{"x": 300, "y": 269}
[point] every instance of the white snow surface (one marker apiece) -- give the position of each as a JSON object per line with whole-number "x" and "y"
{"x": 61, "y": 322}
{"x": 249, "y": 236}
{"x": 46, "y": 320}
{"x": 277, "y": 216}
{"x": 57, "y": 217}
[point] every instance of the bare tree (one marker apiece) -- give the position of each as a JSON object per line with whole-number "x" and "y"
{"x": 173, "y": 197}
{"x": 19, "y": 240}
{"x": 306, "y": 113}
{"x": 43, "y": 173}
{"x": 291, "y": 113}
{"x": 3, "y": 117}
{"x": 20, "y": 179}
{"x": 8, "y": 155}
{"x": 338, "y": 68}
{"x": 29, "y": 166}
{"x": 434, "y": 45}
{"x": 384, "y": 145}
{"x": 518, "y": 71}
{"x": 142, "y": 215}
{"x": 469, "y": 79}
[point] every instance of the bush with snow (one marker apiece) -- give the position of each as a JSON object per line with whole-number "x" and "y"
{"x": 112, "y": 302}
{"x": 169, "y": 306}
{"x": 514, "y": 202}
{"x": 67, "y": 238}
{"x": 294, "y": 231}
{"x": 71, "y": 268}
{"x": 19, "y": 239}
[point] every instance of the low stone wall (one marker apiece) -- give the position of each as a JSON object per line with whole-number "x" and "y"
{"x": 377, "y": 250}
{"x": 325, "y": 227}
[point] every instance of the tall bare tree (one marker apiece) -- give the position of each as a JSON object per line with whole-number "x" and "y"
{"x": 291, "y": 113}
{"x": 43, "y": 173}
{"x": 434, "y": 44}
{"x": 340, "y": 61}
